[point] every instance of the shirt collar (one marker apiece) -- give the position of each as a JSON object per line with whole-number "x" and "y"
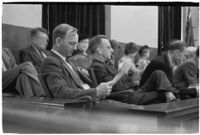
{"x": 57, "y": 53}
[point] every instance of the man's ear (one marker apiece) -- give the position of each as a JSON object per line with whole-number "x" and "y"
{"x": 99, "y": 50}
{"x": 58, "y": 40}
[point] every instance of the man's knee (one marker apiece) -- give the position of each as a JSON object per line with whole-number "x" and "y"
{"x": 159, "y": 73}
{"x": 28, "y": 64}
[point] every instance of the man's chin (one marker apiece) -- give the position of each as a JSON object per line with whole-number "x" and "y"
{"x": 68, "y": 55}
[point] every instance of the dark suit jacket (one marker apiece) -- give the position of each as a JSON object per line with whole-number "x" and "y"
{"x": 30, "y": 54}
{"x": 105, "y": 73}
{"x": 60, "y": 81}
{"x": 160, "y": 63}
{"x": 186, "y": 74}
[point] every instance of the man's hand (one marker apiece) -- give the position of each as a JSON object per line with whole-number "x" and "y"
{"x": 103, "y": 89}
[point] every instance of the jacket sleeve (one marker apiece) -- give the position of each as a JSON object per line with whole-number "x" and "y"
{"x": 102, "y": 74}
{"x": 24, "y": 56}
{"x": 189, "y": 73}
{"x": 57, "y": 84}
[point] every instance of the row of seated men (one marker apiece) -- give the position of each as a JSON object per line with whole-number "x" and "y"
{"x": 166, "y": 78}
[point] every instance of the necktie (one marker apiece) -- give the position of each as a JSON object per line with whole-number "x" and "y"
{"x": 110, "y": 62}
{"x": 76, "y": 77}
{"x": 42, "y": 54}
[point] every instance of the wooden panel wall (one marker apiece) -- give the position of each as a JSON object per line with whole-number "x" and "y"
{"x": 119, "y": 50}
{"x": 15, "y": 38}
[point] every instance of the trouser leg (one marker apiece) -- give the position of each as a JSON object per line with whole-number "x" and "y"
{"x": 24, "y": 79}
{"x": 9, "y": 79}
{"x": 9, "y": 76}
{"x": 153, "y": 89}
{"x": 141, "y": 98}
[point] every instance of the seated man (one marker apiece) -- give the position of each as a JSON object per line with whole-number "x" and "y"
{"x": 101, "y": 50}
{"x": 156, "y": 81}
{"x": 19, "y": 79}
{"x": 186, "y": 75}
{"x": 36, "y": 52}
{"x": 61, "y": 76}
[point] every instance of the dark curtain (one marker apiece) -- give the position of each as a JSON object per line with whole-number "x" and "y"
{"x": 189, "y": 38}
{"x": 89, "y": 19}
{"x": 169, "y": 25}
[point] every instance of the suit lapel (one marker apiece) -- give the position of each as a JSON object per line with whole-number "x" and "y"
{"x": 76, "y": 78}
{"x": 35, "y": 54}
{"x": 110, "y": 68}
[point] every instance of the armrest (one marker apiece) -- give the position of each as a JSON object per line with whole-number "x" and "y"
{"x": 82, "y": 102}
{"x": 85, "y": 101}
{"x": 8, "y": 95}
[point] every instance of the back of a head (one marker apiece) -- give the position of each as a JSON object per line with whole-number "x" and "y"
{"x": 143, "y": 50}
{"x": 95, "y": 42}
{"x": 61, "y": 30}
{"x": 130, "y": 48}
{"x": 190, "y": 52}
{"x": 83, "y": 37}
{"x": 35, "y": 31}
{"x": 176, "y": 45}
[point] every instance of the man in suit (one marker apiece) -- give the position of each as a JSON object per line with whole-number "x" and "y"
{"x": 61, "y": 76}
{"x": 156, "y": 82}
{"x": 19, "y": 79}
{"x": 101, "y": 50}
{"x": 186, "y": 75}
{"x": 36, "y": 52}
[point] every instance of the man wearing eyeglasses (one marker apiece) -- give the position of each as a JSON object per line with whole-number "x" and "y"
{"x": 60, "y": 75}
{"x": 36, "y": 52}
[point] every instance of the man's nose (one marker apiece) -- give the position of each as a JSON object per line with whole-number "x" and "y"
{"x": 112, "y": 50}
{"x": 74, "y": 47}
